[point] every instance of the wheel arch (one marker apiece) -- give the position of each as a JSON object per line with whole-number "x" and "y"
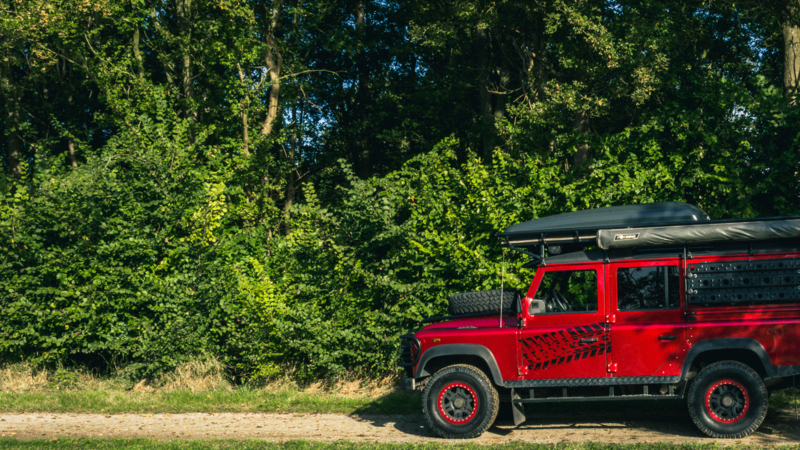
{"x": 438, "y": 357}
{"x": 745, "y": 350}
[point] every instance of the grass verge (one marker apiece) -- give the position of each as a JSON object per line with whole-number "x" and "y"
{"x": 201, "y": 387}
{"x": 144, "y": 444}
{"x": 238, "y": 400}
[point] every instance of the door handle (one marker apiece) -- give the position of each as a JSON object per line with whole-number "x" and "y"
{"x": 588, "y": 340}
{"x": 670, "y": 337}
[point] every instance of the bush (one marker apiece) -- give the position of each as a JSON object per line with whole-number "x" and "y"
{"x": 151, "y": 254}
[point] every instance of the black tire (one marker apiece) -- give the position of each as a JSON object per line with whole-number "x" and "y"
{"x": 728, "y": 400}
{"x": 484, "y": 301}
{"x": 469, "y": 384}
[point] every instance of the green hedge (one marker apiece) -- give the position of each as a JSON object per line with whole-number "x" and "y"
{"x": 150, "y": 253}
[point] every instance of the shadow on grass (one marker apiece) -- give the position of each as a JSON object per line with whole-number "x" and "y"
{"x": 393, "y": 403}
{"x": 668, "y": 417}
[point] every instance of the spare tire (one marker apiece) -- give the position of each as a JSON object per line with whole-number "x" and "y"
{"x": 484, "y": 301}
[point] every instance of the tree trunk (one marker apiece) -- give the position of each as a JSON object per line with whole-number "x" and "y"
{"x": 184, "y": 13}
{"x": 541, "y": 67}
{"x": 11, "y": 99}
{"x": 581, "y": 124}
{"x": 485, "y": 97}
{"x": 246, "y": 105}
{"x": 71, "y": 147}
{"x": 14, "y": 152}
{"x": 137, "y": 54}
{"x": 274, "y": 98}
{"x": 188, "y": 86}
{"x": 363, "y": 90}
{"x": 274, "y": 60}
{"x": 245, "y": 127}
{"x": 290, "y": 179}
{"x": 164, "y": 57}
{"x": 791, "y": 58}
{"x": 502, "y": 99}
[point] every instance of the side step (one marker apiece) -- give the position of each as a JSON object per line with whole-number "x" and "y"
{"x": 596, "y": 399}
{"x": 671, "y": 395}
{"x": 517, "y": 403}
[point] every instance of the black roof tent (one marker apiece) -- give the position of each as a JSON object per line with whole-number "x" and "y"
{"x": 647, "y": 225}
{"x": 582, "y": 226}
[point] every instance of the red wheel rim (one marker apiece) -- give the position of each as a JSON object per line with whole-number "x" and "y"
{"x": 727, "y": 401}
{"x": 458, "y": 403}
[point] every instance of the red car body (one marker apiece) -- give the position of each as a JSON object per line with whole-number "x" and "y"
{"x": 660, "y": 345}
{"x": 670, "y": 305}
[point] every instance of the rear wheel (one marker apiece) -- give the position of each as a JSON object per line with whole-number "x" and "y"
{"x": 459, "y": 402}
{"x": 728, "y": 400}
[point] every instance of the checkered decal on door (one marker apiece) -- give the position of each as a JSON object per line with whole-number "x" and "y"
{"x": 563, "y": 346}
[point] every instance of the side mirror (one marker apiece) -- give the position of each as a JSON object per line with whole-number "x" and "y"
{"x": 537, "y": 306}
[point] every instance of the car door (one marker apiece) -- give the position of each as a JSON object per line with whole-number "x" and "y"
{"x": 647, "y": 317}
{"x": 568, "y": 339}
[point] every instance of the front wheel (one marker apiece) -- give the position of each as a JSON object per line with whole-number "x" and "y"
{"x": 459, "y": 402}
{"x": 728, "y": 400}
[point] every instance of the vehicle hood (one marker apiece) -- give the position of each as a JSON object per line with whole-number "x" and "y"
{"x": 473, "y": 322}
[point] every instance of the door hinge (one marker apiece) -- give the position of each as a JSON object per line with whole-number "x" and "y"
{"x": 611, "y": 318}
{"x": 612, "y": 367}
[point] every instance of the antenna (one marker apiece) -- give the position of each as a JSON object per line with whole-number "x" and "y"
{"x": 502, "y": 286}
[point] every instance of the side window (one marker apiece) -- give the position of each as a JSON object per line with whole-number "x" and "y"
{"x": 648, "y": 288}
{"x": 569, "y": 291}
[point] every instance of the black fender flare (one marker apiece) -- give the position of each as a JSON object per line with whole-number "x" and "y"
{"x": 460, "y": 350}
{"x": 728, "y": 344}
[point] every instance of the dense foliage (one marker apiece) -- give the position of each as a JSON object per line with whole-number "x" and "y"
{"x": 281, "y": 182}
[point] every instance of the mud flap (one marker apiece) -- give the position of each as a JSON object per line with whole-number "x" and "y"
{"x": 517, "y": 408}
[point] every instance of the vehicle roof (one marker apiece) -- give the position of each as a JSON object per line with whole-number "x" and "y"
{"x": 626, "y": 216}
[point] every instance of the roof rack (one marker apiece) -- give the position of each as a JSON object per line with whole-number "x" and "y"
{"x": 646, "y": 225}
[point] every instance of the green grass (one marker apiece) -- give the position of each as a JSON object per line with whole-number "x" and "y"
{"x": 238, "y": 400}
{"x": 144, "y": 444}
{"x": 241, "y": 399}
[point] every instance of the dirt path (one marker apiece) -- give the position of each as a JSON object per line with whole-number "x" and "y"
{"x": 613, "y": 425}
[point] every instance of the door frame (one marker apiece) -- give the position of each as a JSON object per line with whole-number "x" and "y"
{"x": 615, "y": 317}
{"x": 566, "y": 320}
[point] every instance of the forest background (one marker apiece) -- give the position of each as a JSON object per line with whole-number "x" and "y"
{"x": 294, "y": 183}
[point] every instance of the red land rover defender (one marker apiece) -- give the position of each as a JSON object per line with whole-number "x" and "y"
{"x": 638, "y": 302}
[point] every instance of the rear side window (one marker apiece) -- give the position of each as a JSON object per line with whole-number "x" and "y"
{"x": 648, "y": 288}
{"x": 569, "y": 291}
